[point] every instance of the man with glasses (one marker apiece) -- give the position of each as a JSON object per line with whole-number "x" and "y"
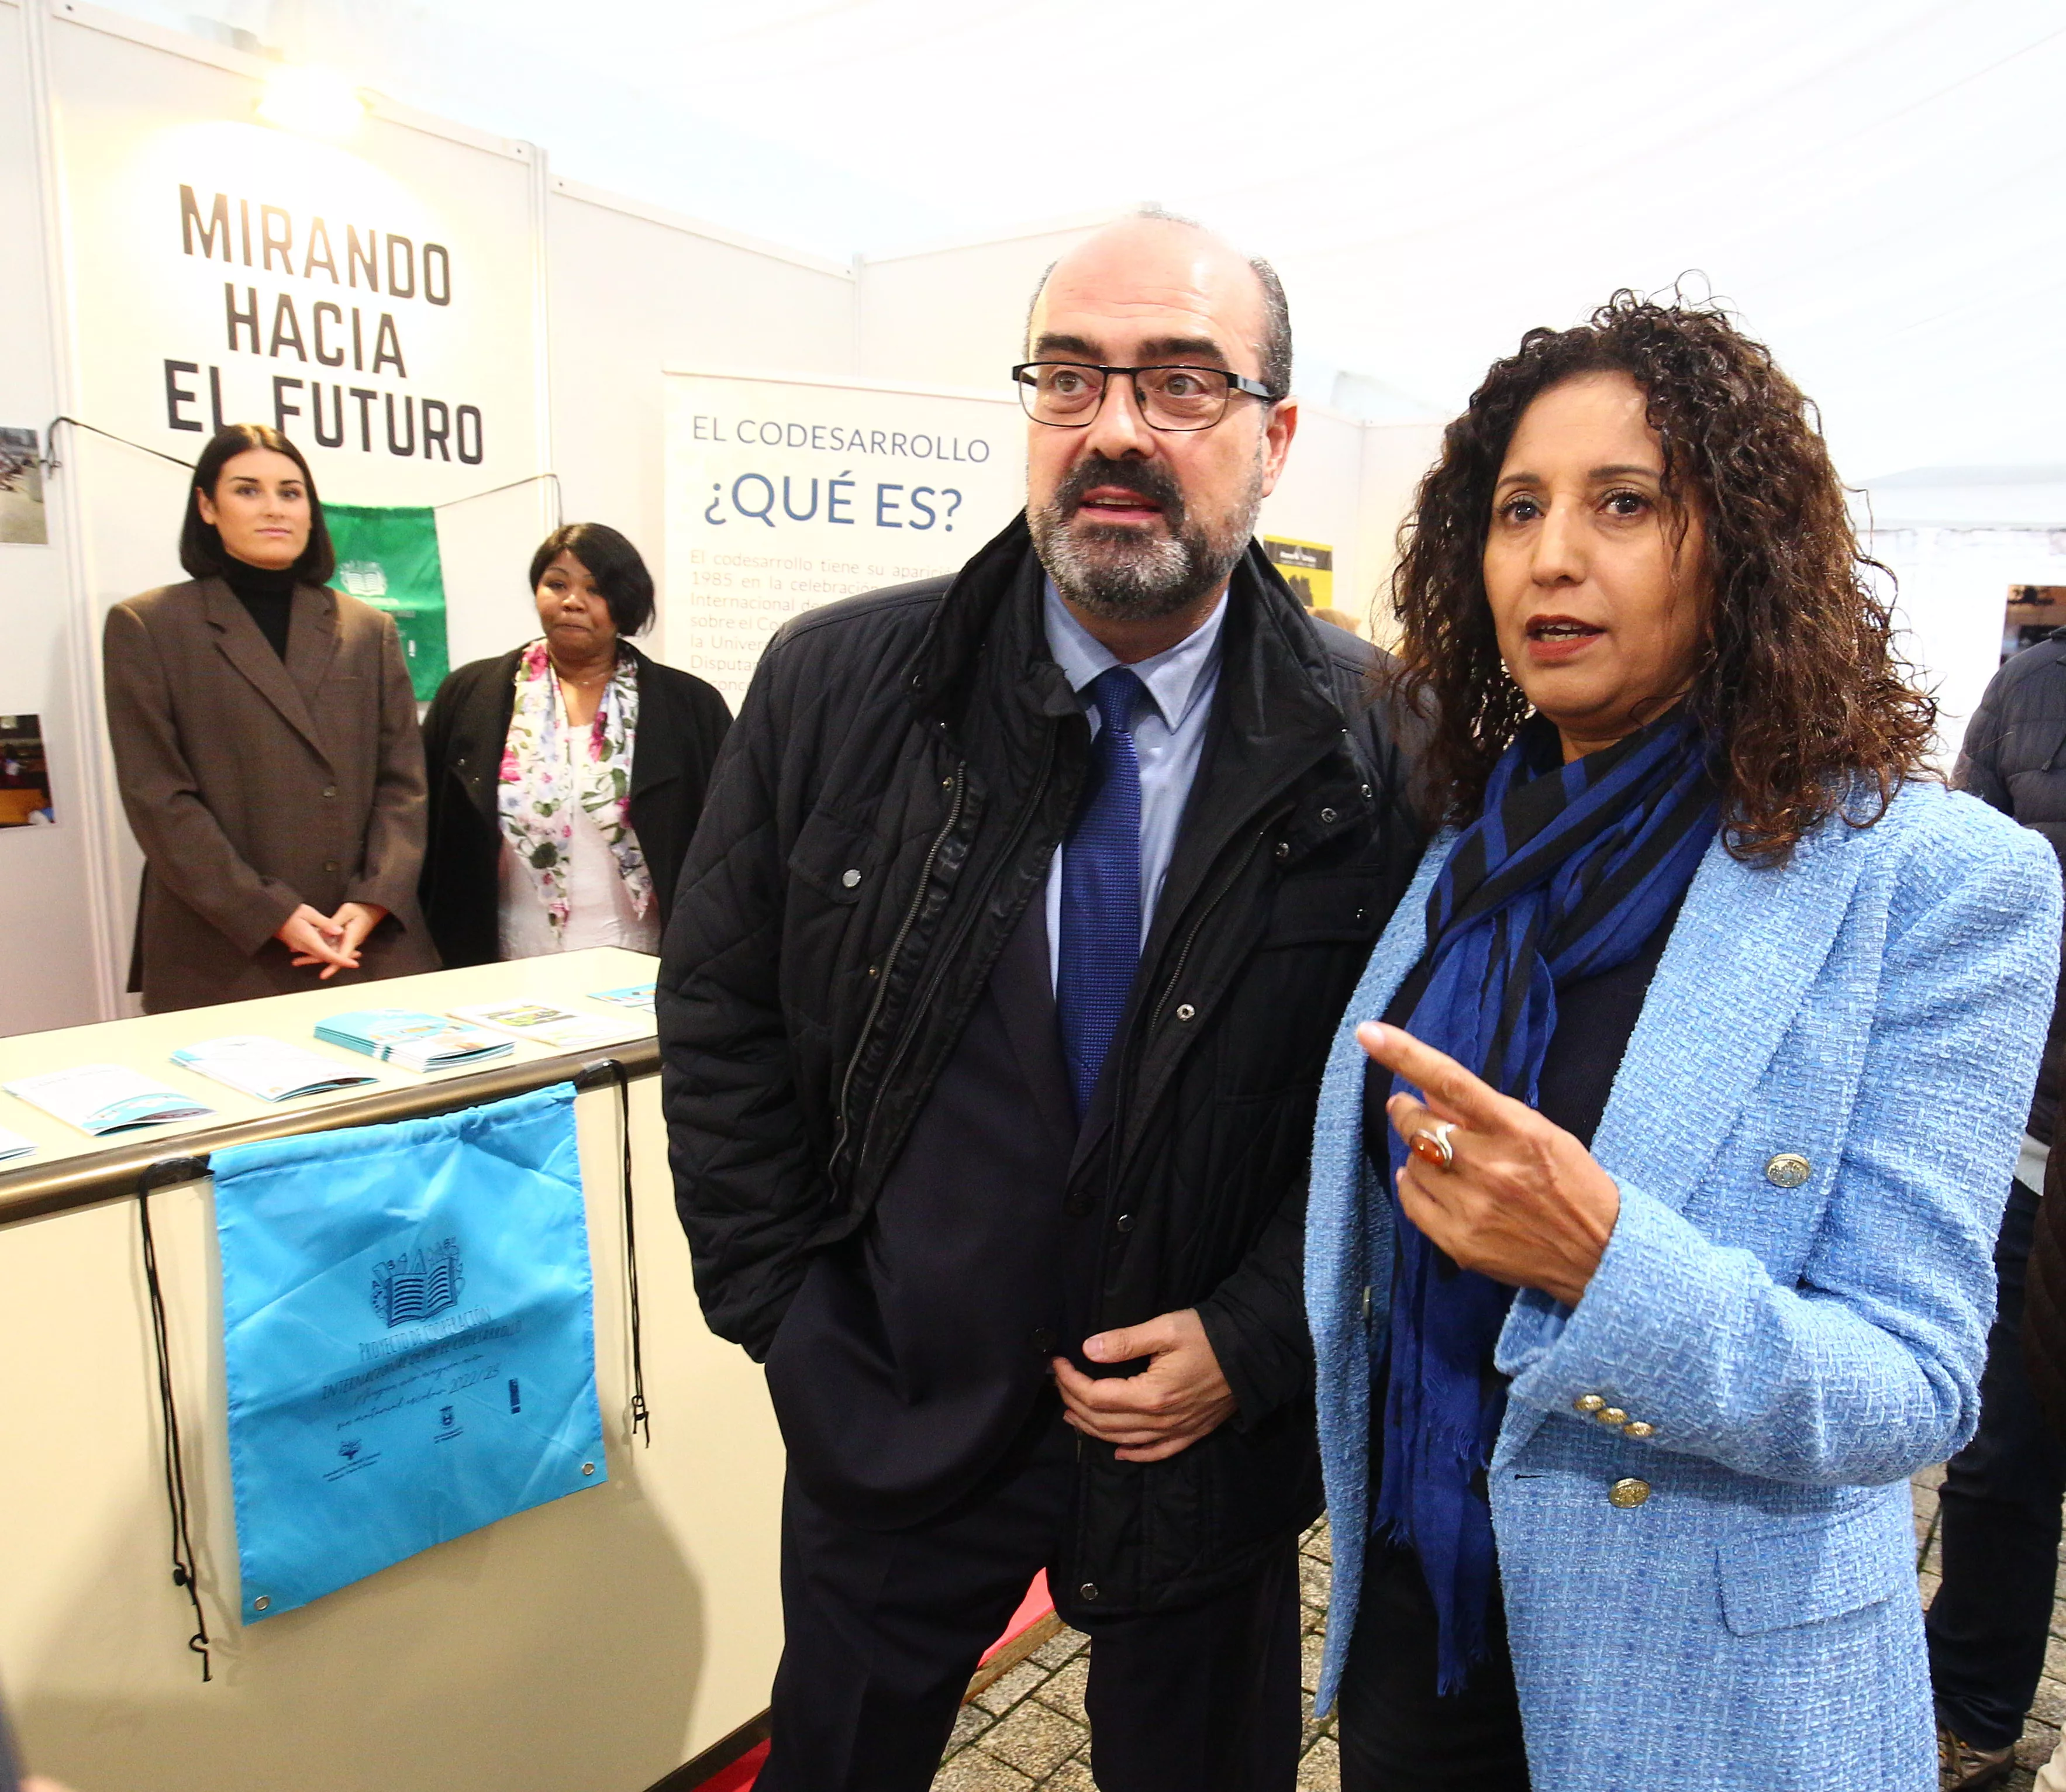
{"x": 993, "y": 1009}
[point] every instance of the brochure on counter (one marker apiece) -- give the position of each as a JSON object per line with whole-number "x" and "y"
{"x": 637, "y": 996}
{"x": 409, "y": 1037}
{"x": 101, "y": 1098}
{"x": 543, "y": 1025}
{"x": 268, "y": 1069}
{"x": 13, "y": 1145}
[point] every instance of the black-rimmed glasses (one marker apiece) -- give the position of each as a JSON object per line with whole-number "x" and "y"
{"x": 1068, "y": 394}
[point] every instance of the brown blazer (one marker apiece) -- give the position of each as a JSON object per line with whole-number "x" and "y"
{"x": 253, "y": 786}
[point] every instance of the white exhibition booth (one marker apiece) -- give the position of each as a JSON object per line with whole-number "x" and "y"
{"x": 437, "y": 320}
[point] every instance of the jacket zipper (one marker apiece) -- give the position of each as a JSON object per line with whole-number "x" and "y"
{"x": 896, "y": 947}
{"x": 924, "y": 994}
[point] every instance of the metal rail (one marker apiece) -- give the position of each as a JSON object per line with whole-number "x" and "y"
{"x": 35, "y": 1190}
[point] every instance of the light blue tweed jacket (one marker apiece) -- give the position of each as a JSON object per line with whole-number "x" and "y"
{"x": 1878, "y": 1007}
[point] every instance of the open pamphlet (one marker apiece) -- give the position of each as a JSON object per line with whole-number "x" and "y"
{"x": 13, "y": 1145}
{"x": 268, "y": 1069}
{"x": 632, "y": 996}
{"x": 543, "y": 1025}
{"x": 101, "y": 1098}
{"x": 409, "y": 1037}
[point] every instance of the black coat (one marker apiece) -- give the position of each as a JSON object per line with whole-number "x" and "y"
{"x": 681, "y": 721}
{"x": 2014, "y": 756}
{"x": 905, "y": 765}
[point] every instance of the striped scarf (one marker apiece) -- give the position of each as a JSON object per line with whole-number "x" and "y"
{"x": 1566, "y": 872}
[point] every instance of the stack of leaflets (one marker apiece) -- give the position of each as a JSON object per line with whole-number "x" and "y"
{"x": 101, "y": 1098}
{"x": 632, "y": 996}
{"x": 269, "y": 1069}
{"x": 412, "y": 1038}
{"x": 543, "y": 1025}
{"x": 13, "y": 1144}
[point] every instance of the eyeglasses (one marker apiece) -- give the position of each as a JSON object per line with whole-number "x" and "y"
{"x": 1068, "y": 394}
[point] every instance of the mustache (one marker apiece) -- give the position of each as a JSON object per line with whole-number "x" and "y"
{"x": 1143, "y": 477}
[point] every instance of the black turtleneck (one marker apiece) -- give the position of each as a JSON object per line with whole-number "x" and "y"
{"x": 268, "y": 593}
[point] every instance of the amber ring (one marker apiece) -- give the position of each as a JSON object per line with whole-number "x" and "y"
{"x": 1430, "y": 1144}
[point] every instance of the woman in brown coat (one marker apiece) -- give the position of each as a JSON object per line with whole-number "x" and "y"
{"x": 265, "y": 738}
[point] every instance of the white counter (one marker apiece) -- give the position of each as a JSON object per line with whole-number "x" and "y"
{"x": 588, "y": 1645}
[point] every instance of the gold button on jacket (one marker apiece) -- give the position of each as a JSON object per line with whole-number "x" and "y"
{"x": 1788, "y": 1169}
{"x": 1628, "y": 1494}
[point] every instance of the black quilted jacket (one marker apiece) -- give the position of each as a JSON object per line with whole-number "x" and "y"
{"x": 901, "y": 772}
{"x": 2014, "y": 756}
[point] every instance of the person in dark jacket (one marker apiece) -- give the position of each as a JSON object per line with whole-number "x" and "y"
{"x": 993, "y": 1010}
{"x": 566, "y": 775}
{"x": 1990, "y": 1623}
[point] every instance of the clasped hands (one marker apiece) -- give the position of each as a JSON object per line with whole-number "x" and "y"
{"x": 1522, "y": 1202}
{"x": 1178, "y": 1398}
{"x": 330, "y": 941}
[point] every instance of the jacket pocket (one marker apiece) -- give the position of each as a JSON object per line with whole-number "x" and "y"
{"x": 1804, "y": 1572}
{"x": 835, "y": 856}
{"x": 1332, "y": 905}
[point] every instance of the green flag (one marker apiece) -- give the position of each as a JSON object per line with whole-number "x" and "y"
{"x": 387, "y": 556}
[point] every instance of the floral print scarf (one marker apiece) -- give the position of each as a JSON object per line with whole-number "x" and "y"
{"x": 539, "y": 781}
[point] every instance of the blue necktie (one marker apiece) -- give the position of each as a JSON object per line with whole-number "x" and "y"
{"x": 1101, "y": 889}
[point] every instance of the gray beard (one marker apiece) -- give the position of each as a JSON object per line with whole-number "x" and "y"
{"x": 1112, "y": 572}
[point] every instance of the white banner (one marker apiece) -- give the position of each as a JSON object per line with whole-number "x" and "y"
{"x": 372, "y": 299}
{"x": 786, "y": 494}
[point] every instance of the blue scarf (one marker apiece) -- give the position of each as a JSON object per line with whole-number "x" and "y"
{"x": 1566, "y": 872}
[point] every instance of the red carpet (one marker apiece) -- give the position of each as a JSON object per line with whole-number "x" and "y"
{"x": 741, "y": 1774}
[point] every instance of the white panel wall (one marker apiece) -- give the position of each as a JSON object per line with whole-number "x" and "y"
{"x": 1316, "y": 499}
{"x": 1951, "y": 587}
{"x": 955, "y": 315}
{"x": 634, "y": 291}
{"x": 1395, "y": 456}
{"x": 47, "y": 942}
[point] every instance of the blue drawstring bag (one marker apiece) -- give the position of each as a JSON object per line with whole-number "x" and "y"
{"x": 409, "y": 1335}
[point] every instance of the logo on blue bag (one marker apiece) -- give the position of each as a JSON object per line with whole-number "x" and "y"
{"x": 350, "y": 1448}
{"x": 410, "y": 1287}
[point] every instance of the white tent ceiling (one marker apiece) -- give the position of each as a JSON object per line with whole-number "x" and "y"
{"x": 1876, "y": 190}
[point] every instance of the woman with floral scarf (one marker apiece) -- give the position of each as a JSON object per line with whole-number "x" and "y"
{"x": 566, "y": 776}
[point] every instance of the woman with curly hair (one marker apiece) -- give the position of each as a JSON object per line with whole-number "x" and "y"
{"x": 1660, "y": 1153}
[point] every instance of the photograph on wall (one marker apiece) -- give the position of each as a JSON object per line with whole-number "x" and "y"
{"x": 25, "y": 776}
{"x": 387, "y": 556}
{"x": 22, "y": 516}
{"x": 1308, "y": 568}
{"x": 2033, "y": 611}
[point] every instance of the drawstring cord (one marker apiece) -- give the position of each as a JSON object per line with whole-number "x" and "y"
{"x": 164, "y": 1174}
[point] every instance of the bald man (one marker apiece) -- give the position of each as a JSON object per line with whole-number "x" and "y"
{"x": 994, "y": 1006}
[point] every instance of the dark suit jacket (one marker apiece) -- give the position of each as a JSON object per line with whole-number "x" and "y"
{"x": 914, "y": 1351}
{"x": 254, "y": 787}
{"x": 681, "y": 722}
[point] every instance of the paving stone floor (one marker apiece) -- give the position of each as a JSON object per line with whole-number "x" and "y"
{"x": 1027, "y": 1729}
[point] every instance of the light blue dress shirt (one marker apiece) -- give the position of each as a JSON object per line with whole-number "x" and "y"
{"x": 1169, "y": 735}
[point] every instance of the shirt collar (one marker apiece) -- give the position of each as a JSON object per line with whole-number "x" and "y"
{"x": 1175, "y": 678}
